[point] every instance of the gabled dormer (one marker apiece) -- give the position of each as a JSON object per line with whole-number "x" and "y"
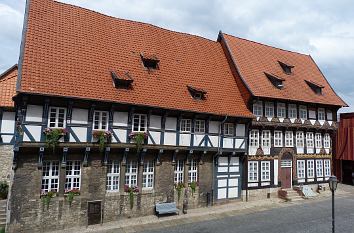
{"x": 197, "y": 93}
{"x": 122, "y": 80}
{"x": 317, "y": 88}
{"x": 275, "y": 80}
{"x": 286, "y": 67}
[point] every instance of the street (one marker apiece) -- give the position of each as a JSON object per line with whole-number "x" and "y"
{"x": 308, "y": 217}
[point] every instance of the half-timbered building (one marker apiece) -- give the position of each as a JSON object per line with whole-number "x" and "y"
{"x": 95, "y": 84}
{"x": 295, "y": 109}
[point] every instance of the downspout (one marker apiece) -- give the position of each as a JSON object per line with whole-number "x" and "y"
{"x": 215, "y": 156}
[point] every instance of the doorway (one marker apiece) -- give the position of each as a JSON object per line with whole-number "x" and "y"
{"x": 94, "y": 212}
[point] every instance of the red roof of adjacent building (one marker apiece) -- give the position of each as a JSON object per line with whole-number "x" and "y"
{"x": 8, "y": 81}
{"x": 253, "y": 60}
{"x": 70, "y": 51}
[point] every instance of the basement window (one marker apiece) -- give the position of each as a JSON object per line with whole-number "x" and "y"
{"x": 197, "y": 93}
{"x": 122, "y": 80}
{"x": 286, "y": 67}
{"x": 317, "y": 88}
{"x": 150, "y": 62}
{"x": 275, "y": 80}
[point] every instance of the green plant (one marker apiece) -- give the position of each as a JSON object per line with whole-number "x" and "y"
{"x": 70, "y": 194}
{"x": 131, "y": 191}
{"x": 52, "y": 137}
{"x": 102, "y": 137}
{"x": 4, "y": 190}
{"x": 179, "y": 187}
{"x": 46, "y": 197}
{"x": 2, "y": 230}
{"x": 138, "y": 138}
{"x": 193, "y": 185}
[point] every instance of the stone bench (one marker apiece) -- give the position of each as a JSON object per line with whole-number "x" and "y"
{"x": 166, "y": 208}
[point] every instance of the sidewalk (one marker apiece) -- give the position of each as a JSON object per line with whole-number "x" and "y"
{"x": 201, "y": 214}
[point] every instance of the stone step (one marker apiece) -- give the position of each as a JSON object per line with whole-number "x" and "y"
{"x": 296, "y": 199}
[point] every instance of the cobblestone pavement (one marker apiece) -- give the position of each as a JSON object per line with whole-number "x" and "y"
{"x": 268, "y": 215}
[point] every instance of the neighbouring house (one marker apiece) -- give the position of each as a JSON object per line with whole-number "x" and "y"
{"x": 120, "y": 112}
{"x": 295, "y": 109}
{"x": 344, "y": 160}
{"x": 7, "y": 122}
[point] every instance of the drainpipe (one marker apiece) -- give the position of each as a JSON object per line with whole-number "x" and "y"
{"x": 215, "y": 156}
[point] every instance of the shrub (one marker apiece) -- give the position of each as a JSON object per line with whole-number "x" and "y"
{"x": 2, "y": 230}
{"x": 4, "y": 190}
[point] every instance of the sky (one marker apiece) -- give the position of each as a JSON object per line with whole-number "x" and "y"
{"x": 322, "y": 28}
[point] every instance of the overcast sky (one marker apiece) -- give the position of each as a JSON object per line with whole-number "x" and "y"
{"x": 322, "y": 28}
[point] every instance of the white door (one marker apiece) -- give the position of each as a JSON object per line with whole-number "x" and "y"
{"x": 228, "y": 177}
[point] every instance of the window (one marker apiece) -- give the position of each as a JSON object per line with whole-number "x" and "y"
{"x": 192, "y": 171}
{"x": 329, "y": 115}
{"x": 327, "y": 166}
{"x": 292, "y": 111}
{"x": 73, "y": 175}
{"x": 266, "y": 138}
{"x": 289, "y": 140}
{"x": 303, "y": 112}
{"x": 299, "y": 139}
{"x": 131, "y": 174}
{"x": 317, "y": 88}
{"x": 100, "y": 120}
{"x": 300, "y": 169}
{"x": 286, "y": 68}
{"x": 50, "y": 176}
{"x": 309, "y": 140}
{"x": 199, "y": 126}
{"x": 318, "y": 140}
{"x": 252, "y": 171}
{"x": 310, "y": 169}
{"x": 139, "y": 123}
{"x": 321, "y": 114}
{"x": 56, "y": 117}
{"x": 150, "y": 61}
{"x": 265, "y": 170}
{"x": 269, "y": 109}
{"x": 197, "y": 93}
{"x": 179, "y": 171}
{"x": 229, "y": 129}
{"x": 278, "y": 138}
{"x": 275, "y": 80}
{"x": 258, "y": 109}
{"x": 148, "y": 175}
{"x": 281, "y": 110}
{"x": 186, "y": 125}
{"x": 319, "y": 168}
{"x": 254, "y": 138}
{"x": 113, "y": 170}
{"x": 327, "y": 141}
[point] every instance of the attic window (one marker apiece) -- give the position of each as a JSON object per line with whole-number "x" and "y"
{"x": 122, "y": 80}
{"x": 286, "y": 68}
{"x": 197, "y": 93}
{"x": 317, "y": 88}
{"x": 150, "y": 62}
{"x": 275, "y": 80}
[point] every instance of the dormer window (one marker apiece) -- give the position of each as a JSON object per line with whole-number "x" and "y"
{"x": 150, "y": 62}
{"x": 275, "y": 80}
{"x": 286, "y": 67}
{"x": 197, "y": 93}
{"x": 317, "y": 88}
{"x": 122, "y": 80}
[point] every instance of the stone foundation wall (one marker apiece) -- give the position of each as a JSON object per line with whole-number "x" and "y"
{"x": 256, "y": 194}
{"x": 6, "y": 155}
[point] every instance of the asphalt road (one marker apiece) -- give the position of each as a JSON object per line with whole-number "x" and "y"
{"x": 309, "y": 217}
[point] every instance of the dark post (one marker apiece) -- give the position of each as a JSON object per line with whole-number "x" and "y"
{"x": 333, "y": 230}
{"x": 333, "y": 186}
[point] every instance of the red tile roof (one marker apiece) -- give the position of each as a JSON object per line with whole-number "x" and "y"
{"x": 8, "y": 81}
{"x": 253, "y": 60}
{"x": 70, "y": 51}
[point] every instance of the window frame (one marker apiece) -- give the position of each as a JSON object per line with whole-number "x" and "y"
{"x": 252, "y": 171}
{"x": 318, "y": 141}
{"x": 265, "y": 170}
{"x": 300, "y": 169}
{"x": 291, "y": 109}
{"x": 229, "y": 127}
{"x": 113, "y": 176}
{"x": 281, "y": 107}
{"x": 319, "y": 167}
{"x": 139, "y": 126}
{"x": 192, "y": 171}
{"x": 199, "y": 126}
{"x": 56, "y": 122}
{"x": 148, "y": 175}
{"x": 303, "y": 112}
{"x": 129, "y": 174}
{"x": 185, "y": 123}
{"x": 289, "y": 141}
{"x": 254, "y": 138}
{"x": 300, "y": 139}
{"x": 179, "y": 171}
{"x": 266, "y": 139}
{"x": 310, "y": 168}
{"x": 100, "y": 125}
{"x": 327, "y": 141}
{"x": 52, "y": 177}
{"x": 277, "y": 139}
{"x": 258, "y": 107}
{"x": 321, "y": 112}
{"x": 269, "y": 108}
{"x": 311, "y": 139}
{"x": 327, "y": 169}
{"x": 70, "y": 182}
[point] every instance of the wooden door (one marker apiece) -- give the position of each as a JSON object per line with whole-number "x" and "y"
{"x": 285, "y": 177}
{"x": 94, "y": 212}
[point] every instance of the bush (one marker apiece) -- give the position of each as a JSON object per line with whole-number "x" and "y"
{"x": 4, "y": 190}
{"x": 2, "y": 230}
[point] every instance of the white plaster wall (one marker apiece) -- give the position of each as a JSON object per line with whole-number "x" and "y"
{"x": 300, "y": 150}
{"x": 214, "y": 141}
{"x": 266, "y": 150}
{"x": 120, "y": 119}
{"x": 329, "y": 116}
{"x": 240, "y": 144}
{"x": 252, "y": 150}
{"x": 8, "y": 122}
{"x": 228, "y": 143}
{"x": 155, "y": 136}
{"x": 240, "y": 130}
{"x": 312, "y": 114}
{"x": 155, "y": 122}
{"x": 310, "y": 150}
{"x": 170, "y": 139}
{"x": 184, "y": 139}
{"x": 79, "y": 116}
{"x": 34, "y": 113}
{"x": 80, "y": 132}
{"x": 171, "y": 123}
{"x": 197, "y": 139}
{"x": 214, "y": 127}
{"x": 35, "y": 131}
{"x": 7, "y": 138}
{"x": 121, "y": 134}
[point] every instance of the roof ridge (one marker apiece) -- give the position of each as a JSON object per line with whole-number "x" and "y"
{"x": 271, "y": 46}
{"x": 134, "y": 21}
